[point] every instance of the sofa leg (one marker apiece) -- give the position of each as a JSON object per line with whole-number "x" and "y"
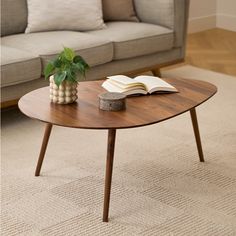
{"x": 156, "y": 72}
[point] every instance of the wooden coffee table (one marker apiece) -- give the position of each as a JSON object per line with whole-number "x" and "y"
{"x": 141, "y": 111}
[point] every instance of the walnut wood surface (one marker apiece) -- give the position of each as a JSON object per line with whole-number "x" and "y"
{"x": 46, "y": 137}
{"x": 140, "y": 111}
{"x": 197, "y": 134}
{"x": 108, "y": 176}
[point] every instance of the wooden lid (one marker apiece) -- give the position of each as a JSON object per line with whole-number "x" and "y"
{"x": 111, "y": 96}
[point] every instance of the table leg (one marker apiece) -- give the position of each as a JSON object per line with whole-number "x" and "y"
{"x": 197, "y": 134}
{"x": 108, "y": 177}
{"x": 47, "y": 133}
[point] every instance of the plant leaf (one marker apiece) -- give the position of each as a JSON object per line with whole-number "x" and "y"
{"x": 79, "y": 68}
{"x": 70, "y": 75}
{"x": 49, "y": 69}
{"x": 69, "y": 54}
{"x": 81, "y": 65}
{"x": 57, "y": 63}
{"x": 66, "y": 66}
{"x": 59, "y": 77}
{"x": 80, "y": 60}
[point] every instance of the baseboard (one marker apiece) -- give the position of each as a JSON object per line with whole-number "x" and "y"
{"x": 198, "y": 24}
{"x": 227, "y": 22}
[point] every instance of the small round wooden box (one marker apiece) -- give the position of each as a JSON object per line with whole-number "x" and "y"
{"x": 112, "y": 101}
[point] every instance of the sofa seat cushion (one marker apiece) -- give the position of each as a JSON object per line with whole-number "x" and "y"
{"x": 18, "y": 66}
{"x": 47, "y": 45}
{"x": 132, "y": 39}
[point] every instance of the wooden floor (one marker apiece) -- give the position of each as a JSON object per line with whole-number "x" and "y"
{"x": 213, "y": 49}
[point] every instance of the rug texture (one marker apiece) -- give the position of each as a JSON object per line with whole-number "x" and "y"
{"x": 159, "y": 186}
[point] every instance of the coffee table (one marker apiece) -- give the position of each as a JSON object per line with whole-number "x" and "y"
{"x": 141, "y": 111}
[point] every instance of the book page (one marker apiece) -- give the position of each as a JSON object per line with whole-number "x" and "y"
{"x": 135, "y": 85}
{"x": 128, "y": 91}
{"x": 124, "y": 81}
{"x": 154, "y": 84}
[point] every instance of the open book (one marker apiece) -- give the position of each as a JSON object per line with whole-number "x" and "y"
{"x": 142, "y": 84}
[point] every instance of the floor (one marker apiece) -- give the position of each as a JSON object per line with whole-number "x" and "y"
{"x": 213, "y": 49}
{"x": 49, "y": 205}
{"x": 159, "y": 187}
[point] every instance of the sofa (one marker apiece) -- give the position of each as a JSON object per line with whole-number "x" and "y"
{"x": 157, "y": 40}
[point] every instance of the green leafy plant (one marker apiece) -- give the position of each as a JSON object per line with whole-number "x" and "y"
{"x": 67, "y": 66}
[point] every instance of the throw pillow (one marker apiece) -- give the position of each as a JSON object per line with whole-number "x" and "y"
{"x": 78, "y": 15}
{"x": 118, "y": 10}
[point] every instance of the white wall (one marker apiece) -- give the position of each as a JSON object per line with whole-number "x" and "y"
{"x": 202, "y": 15}
{"x": 199, "y": 8}
{"x": 208, "y": 14}
{"x": 226, "y": 14}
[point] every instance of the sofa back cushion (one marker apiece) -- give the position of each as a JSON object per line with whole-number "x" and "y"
{"x": 118, "y": 10}
{"x": 75, "y": 15}
{"x": 160, "y": 12}
{"x": 13, "y": 16}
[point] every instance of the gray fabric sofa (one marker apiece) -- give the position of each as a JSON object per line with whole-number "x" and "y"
{"x": 123, "y": 47}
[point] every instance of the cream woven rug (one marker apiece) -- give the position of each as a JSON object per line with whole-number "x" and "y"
{"x": 159, "y": 187}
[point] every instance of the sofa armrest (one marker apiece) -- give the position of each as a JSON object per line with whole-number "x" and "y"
{"x": 168, "y": 13}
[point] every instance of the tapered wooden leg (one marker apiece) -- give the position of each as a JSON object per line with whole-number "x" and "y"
{"x": 197, "y": 134}
{"x": 47, "y": 133}
{"x": 108, "y": 177}
{"x": 156, "y": 72}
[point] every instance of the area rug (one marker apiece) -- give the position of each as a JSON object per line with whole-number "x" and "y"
{"x": 159, "y": 186}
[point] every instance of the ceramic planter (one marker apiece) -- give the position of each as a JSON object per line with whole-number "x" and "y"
{"x": 64, "y": 94}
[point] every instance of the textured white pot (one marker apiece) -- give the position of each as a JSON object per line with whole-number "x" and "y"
{"x": 64, "y": 94}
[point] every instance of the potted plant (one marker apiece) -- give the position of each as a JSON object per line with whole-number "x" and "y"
{"x": 64, "y": 73}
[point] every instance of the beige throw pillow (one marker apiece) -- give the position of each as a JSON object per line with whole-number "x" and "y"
{"x": 118, "y": 10}
{"x": 77, "y": 15}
